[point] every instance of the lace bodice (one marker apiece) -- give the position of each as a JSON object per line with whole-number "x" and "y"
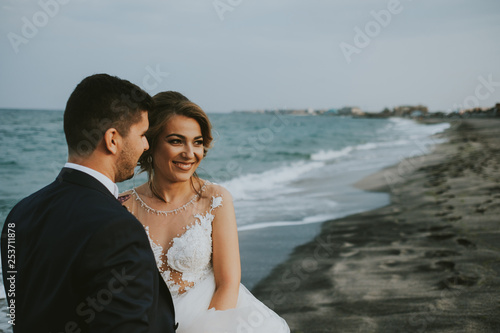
{"x": 188, "y": 257}
{"x": 189, "y": 253}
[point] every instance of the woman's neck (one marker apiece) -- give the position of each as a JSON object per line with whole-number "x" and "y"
{"x": 172, "y": 193}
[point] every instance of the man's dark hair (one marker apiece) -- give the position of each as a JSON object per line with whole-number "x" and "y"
{"x": 98, "y": 103}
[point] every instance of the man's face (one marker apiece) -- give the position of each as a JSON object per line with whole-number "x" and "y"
{"x": 134, "y": 144}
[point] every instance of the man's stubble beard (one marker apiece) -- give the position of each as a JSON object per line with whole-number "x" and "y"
{"x": 125, "y": 164}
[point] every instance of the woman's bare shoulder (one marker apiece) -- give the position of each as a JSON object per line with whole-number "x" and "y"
{"x": 213, "y": 189}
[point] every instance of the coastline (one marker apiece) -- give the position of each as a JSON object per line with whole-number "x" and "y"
{"x": 429, "y": 261}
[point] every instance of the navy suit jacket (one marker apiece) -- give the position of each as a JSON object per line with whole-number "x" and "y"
{"x": 81, "y": 263}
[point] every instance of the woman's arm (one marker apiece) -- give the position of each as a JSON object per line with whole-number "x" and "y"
{"x": 226, "y": 256}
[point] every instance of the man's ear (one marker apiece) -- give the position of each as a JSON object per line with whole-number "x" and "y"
{"x": 112, "y": 139}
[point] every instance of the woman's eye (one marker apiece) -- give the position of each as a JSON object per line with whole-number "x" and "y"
{"x": 174, "y": 141}
{"x": 199, "y": 142}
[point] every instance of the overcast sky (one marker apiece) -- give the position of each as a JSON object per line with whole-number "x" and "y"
{"x": 253, "y": 54}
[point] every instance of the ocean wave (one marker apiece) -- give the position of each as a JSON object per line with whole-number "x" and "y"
{"x": 415, "y": 129}
{"x": 268, "y": 181}
{"x": 307, "y": 220}
{"x": 367, "y": 146}
{"x": 274, "y": 181}
{"x": 328, "y": 155}
{"x": 438, "y": 128}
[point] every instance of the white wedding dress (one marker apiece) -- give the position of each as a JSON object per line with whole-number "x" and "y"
{"x": 186, "y": 267}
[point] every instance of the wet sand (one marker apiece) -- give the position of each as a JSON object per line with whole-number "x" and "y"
{"x": 427, "y": 262}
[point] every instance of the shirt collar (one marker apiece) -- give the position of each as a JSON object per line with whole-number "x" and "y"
{"x": 108, "y": 183}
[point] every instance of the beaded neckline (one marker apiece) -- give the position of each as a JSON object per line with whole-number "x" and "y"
{"x": 168, "y": 212}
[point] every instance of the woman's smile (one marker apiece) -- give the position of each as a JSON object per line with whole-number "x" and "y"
{"x": 183, "y": 165}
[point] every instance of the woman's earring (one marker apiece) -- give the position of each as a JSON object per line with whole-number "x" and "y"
{"x": 150, "y": 159}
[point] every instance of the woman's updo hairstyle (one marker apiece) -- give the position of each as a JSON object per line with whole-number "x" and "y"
{"x": 166, "y": 105}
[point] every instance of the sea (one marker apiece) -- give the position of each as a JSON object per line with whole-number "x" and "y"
{"x": 287, "y": 174}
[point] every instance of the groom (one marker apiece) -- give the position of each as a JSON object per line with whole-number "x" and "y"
{"x": 73, "y": 259}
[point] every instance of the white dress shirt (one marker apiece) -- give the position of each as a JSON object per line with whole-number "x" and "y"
{"x": 108, "y": 183}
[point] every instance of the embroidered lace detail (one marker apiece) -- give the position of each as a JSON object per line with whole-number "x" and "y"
{"x": 168, "y": 212}
{"x": 189, "y": 254}
{"x": 157, "y": 251}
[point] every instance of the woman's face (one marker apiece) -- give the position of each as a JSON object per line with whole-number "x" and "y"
{"x": 179, "y": 150}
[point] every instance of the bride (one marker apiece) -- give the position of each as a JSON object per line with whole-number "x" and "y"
{"x": 192, "y": 226}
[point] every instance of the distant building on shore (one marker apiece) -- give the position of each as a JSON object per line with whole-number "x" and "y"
{"x": 413, "y": 111}
{"x": 406, "y": 111}
{"x": 350, "y": 111}
{"x": 473, "y": 110}
{"x": 293, "y": 112}
{"x": 481, "y": 112}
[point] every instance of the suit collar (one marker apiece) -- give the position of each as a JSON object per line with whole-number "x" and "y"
{"x": 83, "y": 179}
{"x": 110, "y": 185}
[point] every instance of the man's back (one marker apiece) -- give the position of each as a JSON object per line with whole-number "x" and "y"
{"x": 82, "y": 262}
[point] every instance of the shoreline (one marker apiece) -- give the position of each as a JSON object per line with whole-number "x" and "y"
{"x": 429, "y": 261}
{"x": 263, "y": 250}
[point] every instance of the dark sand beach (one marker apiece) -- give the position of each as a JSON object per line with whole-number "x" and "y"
{"x": 427, "y": 262}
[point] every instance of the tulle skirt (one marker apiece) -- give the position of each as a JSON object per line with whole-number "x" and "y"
{"x": 249, "y": 316}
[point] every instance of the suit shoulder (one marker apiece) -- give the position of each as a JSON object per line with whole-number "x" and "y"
{"x": 33, "y": 198}
{"x": 90, "y": 209}
{"x": 104, "y": 206}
